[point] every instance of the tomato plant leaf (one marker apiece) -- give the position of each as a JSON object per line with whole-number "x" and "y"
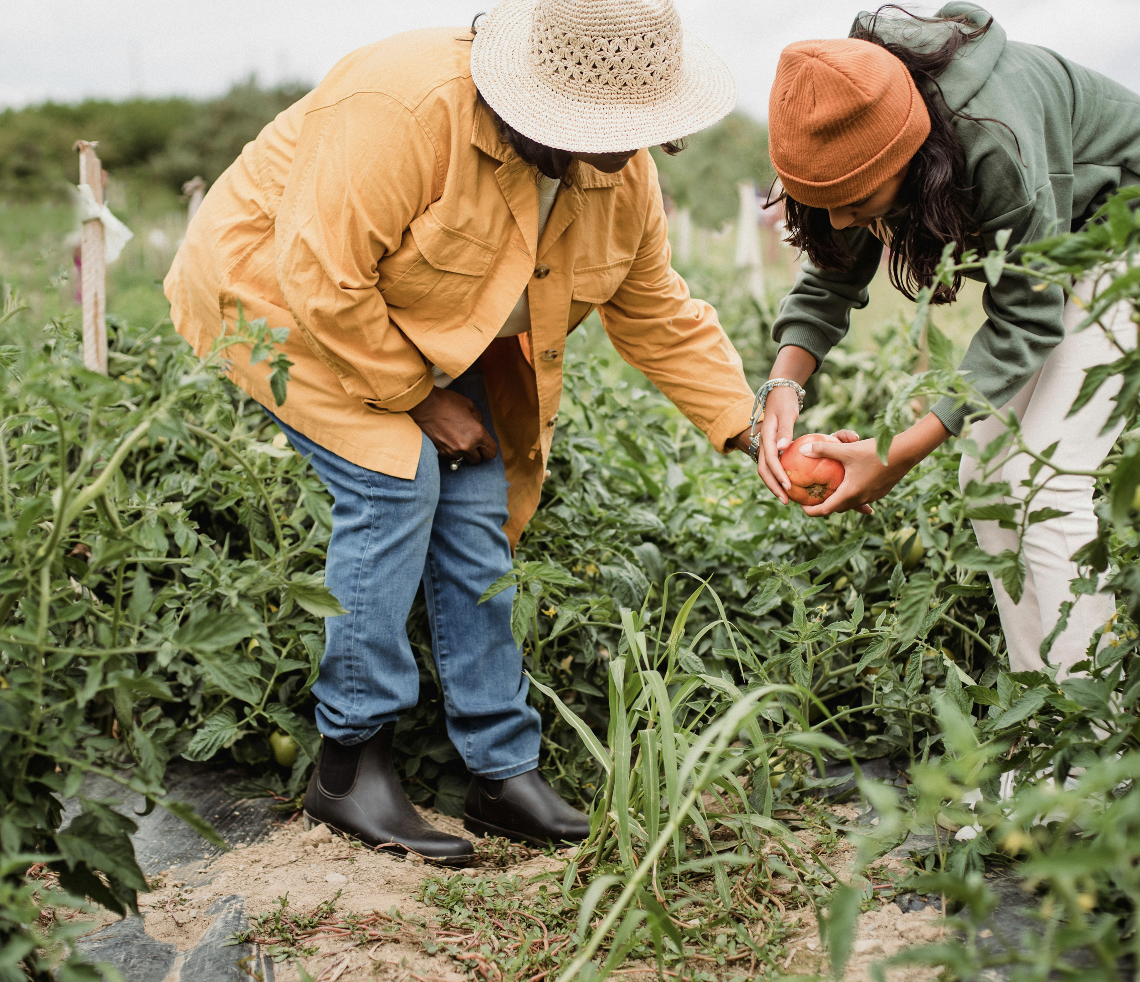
{"x": 314, "y": 597}
{"x": 980, "y": 694}
{"x": 914, "y": 603}
{"x": 504, "y": 582}
{"x": 212, "y": 632}
{"x": 1026, "y": 706}
{"x": 522, "y": 615}
{"x": 214, "y": 733}
{"x": 186, "y": 812}
{"x": 232, "y": 674}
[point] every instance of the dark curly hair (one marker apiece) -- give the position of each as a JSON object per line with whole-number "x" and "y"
{"x": 935, "y": 206}
{"x": 555, "y": 164}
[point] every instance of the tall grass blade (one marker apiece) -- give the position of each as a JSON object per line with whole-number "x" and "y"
{"x": 678, "y": 630}
{"x": 716, "y": 740}
{"x": 650, "y": 783}
{"x": 620, "y": 740}
{"x": 593, "y": 744}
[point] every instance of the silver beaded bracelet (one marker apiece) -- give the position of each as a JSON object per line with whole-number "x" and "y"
{"x": 758, "y": 410}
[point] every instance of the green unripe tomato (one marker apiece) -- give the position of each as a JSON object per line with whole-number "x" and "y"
{"x": 906, "y": 544}
{"x": 776, "y": 770}
{"x": 915, "y": 554}
{"x": 284, "y": 748}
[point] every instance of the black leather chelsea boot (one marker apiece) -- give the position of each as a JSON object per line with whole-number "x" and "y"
{"x": 523, "y": 808}
{"x": 356, "y": 791}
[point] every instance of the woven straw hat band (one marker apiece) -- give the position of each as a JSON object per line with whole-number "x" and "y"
{"x": 579, "y": 47}
{"x": 844, "y": 117}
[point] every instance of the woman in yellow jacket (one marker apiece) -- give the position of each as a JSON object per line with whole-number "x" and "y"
{"x": 431, "y": 221}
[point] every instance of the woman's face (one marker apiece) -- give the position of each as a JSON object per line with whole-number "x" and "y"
{"x": 864, "y": 213}
{"x": 607, "y": 163}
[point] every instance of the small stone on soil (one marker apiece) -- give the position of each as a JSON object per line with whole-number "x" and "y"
{"x": 316, "y": 835}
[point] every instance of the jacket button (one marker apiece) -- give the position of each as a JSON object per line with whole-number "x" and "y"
{"x": 550, "y": 354}
{"x": 541, "y": 271}
{"x": 553, "y": 419}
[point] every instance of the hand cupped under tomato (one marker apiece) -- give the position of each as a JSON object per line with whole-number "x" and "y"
{"x": 813, "y": 479}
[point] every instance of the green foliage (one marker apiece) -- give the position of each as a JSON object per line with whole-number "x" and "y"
{"x": 36, "y": 143}
{"x": 34, "y": 944}
{"x": 899, "y": 659}
{"x": 704, "y": 176}
{"x": 172, "y": 140}
{"x": 156, "y": 582}
{"x": 1068, "y": 747}
{"x": 169, "y": 140}
{"x": 696, "y": 648}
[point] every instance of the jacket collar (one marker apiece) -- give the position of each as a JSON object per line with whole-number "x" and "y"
{"x": 485, "y": 135}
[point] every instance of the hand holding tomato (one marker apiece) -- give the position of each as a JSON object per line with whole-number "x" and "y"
{"x": 813, "y": 479}
{"x": 781, "y": 410}
{"x": 814, "y": 476}
{"x": 862, "y": 477}
{"x": 776, "y": 444}
{"x": 865, "y": 477}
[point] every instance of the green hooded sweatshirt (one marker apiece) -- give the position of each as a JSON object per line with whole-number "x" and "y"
{"x": 1073, "y": 138}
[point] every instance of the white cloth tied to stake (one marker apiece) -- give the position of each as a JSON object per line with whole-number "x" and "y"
{"x": 115, "y": 234}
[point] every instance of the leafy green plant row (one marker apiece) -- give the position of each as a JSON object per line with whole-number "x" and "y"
{"x": 160, "y": 594}
{"x": 914, "y": 674}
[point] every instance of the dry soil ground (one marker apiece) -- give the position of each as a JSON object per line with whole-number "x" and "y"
{"x": 314, "y": 867}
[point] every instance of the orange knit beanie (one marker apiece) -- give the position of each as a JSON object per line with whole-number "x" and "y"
{"x": 844, "y": 116}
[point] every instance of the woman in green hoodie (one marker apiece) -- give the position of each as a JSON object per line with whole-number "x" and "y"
{"x": 919, "y": 133}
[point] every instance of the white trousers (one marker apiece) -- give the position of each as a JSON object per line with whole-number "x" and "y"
{"x": 1042, "y": 406}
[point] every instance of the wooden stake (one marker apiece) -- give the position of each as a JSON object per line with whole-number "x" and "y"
{"x": 748, "y": 253}
{"x": 684, "y": 235}
{"x": 195, "y": 190}
{"x": 94, "y": 273}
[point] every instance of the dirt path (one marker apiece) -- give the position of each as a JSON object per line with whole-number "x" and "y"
{"x": 883, "y": 930}
{"x": 368, "y": 888}
{"x": 311, "y": 868}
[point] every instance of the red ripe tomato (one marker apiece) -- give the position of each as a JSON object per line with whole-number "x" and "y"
{"x": 814, "y": 479}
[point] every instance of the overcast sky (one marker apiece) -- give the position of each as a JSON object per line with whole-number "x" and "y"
{"x": 67, "y": 49}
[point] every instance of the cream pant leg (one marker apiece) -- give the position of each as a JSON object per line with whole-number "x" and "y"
{"x": 1042, "y": 406}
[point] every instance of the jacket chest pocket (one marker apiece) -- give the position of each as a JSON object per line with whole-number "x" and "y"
{"x": 436, "y": 264}
{"x": 597, "y": 284}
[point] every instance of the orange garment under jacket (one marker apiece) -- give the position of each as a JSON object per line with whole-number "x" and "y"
{"x": 383, "y": 219}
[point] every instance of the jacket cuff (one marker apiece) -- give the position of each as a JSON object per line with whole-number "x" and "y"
{"x": 811, "y": 339}
{"x": 736, "y": 419}
{"x": 952, "y": 414}
{"x": 408, "y": 399}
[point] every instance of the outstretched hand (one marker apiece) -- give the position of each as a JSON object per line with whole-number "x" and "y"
{"x": 766, "y": 465}
{"x": 780, "y": 414}
{"x": 865, "y": 477}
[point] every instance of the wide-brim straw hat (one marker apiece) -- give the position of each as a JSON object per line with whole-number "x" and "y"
{"x": 598, "y": 76}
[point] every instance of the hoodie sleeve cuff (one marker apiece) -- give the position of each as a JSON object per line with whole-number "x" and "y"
{"x": 952, "y": 414}
{"x": 811, "y": 339}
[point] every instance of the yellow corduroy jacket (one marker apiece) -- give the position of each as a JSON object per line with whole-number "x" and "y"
{"x": 382, "y": 218}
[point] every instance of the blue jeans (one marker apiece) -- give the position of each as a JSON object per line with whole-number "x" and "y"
{"x": 445, "y": 528}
